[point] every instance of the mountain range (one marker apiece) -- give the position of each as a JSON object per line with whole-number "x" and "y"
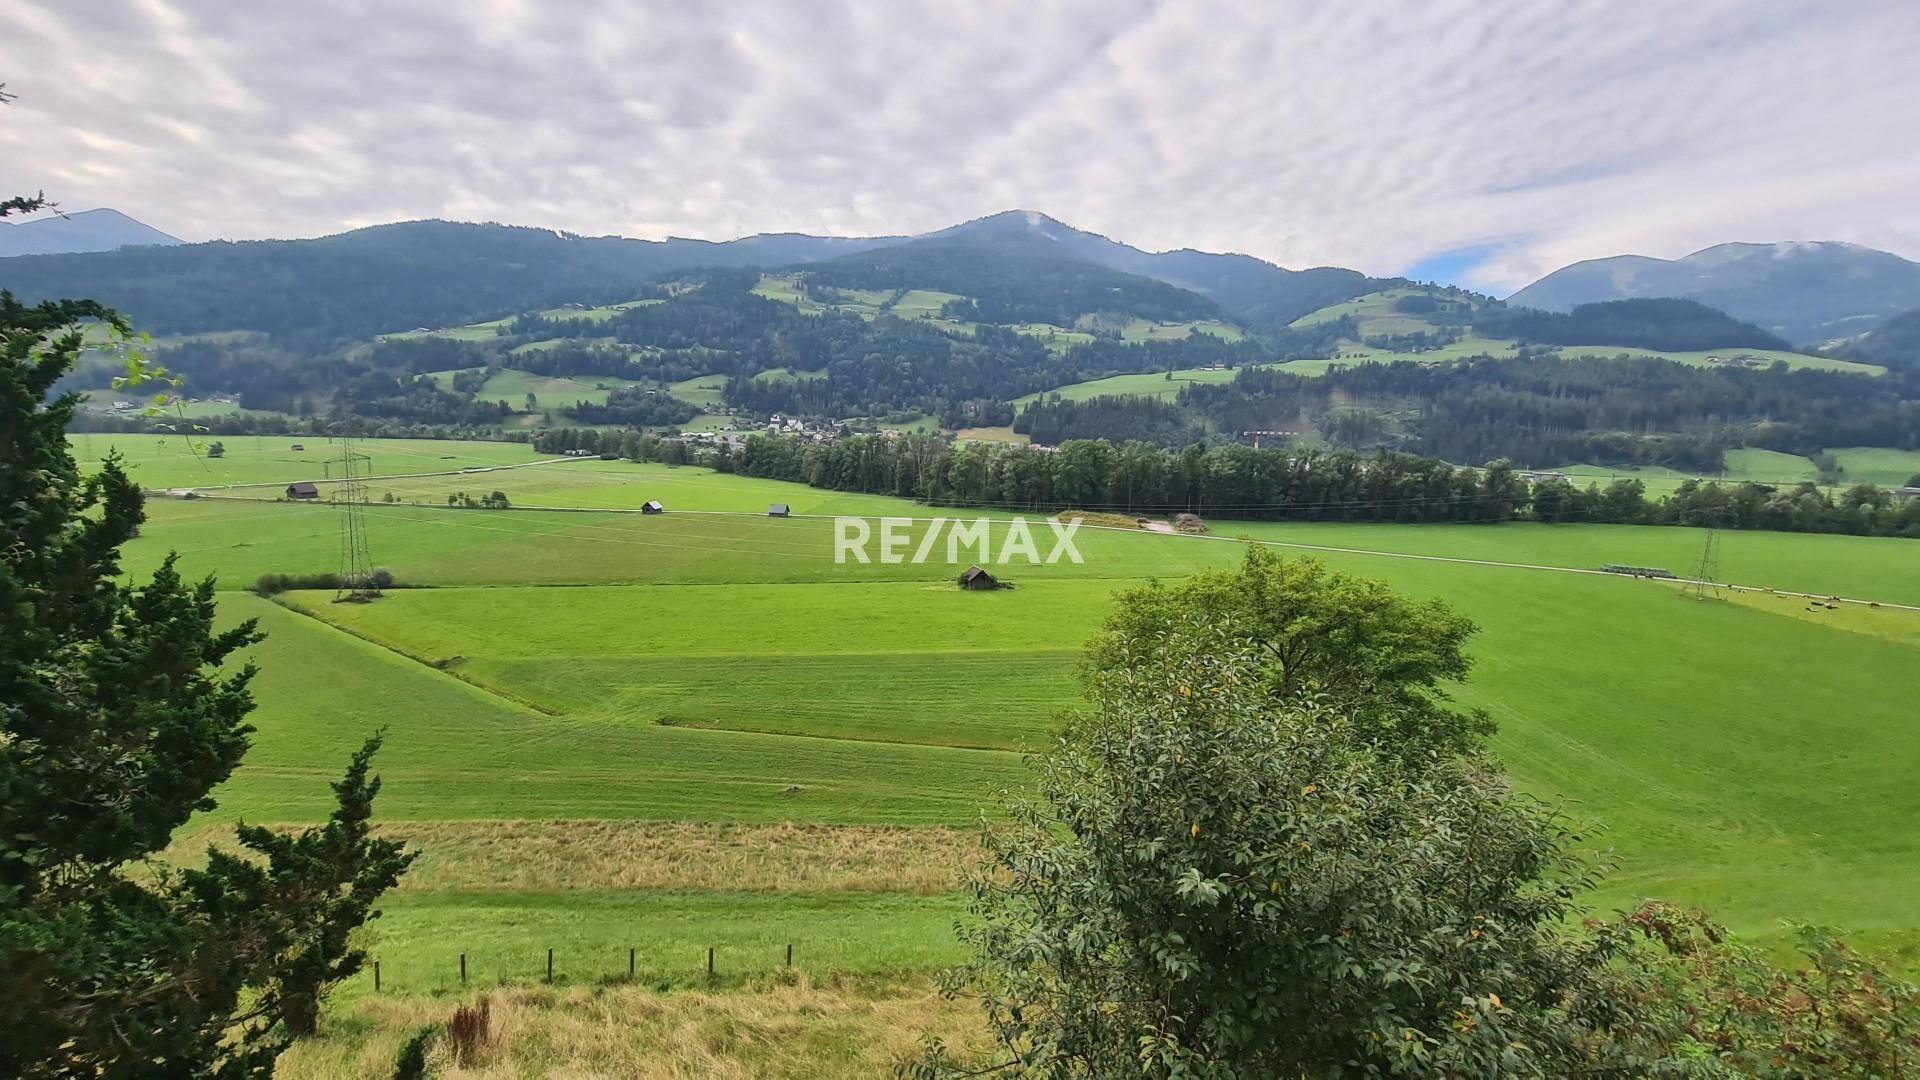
{"x": 1809, "y": 293}
{"x": 436, "y": 273}
{"x": 87, "y": 230}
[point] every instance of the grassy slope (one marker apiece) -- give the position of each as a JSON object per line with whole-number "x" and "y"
{"x": 550, "y": 392}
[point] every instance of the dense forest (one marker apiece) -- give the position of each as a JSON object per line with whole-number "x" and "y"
{"x": 1893, "y": 344}
{"x": 336, "y": 290}
{"x": 1236, "y": 481}
{"x": 1013, "y": 281}
{"x": 1543, "y": 410}
{"x": 1675, "y": 325}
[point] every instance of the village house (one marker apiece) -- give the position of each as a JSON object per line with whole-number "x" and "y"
{"x": 304, "y": 489}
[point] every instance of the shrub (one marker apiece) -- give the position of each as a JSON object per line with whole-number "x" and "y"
{"x": 412, "y": 1062}
{"x": 469, "y": 1031}
{"x": 275, "y": 584}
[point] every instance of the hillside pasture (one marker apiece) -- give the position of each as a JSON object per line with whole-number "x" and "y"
{"x": 511, "y": 386}
{"x": 1877, "y": 465}
{"x": 705, "y": 391}
{"x": 1158, "y": 384}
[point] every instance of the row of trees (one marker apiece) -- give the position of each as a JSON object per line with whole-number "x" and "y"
{"x": 1235, "y": 480}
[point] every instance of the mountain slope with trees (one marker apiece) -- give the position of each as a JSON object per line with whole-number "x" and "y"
{"x": 1893, "y": 344}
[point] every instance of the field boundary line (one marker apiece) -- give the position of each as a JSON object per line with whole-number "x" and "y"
{"x": 422, "y": 661}
{"x": 370, "y": 479}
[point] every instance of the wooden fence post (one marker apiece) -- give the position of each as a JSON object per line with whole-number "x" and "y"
{"x": 709, "y": 961}
{"x": 789, "y": 954}
{"x": 463, "y": 969}
{"x": 629, "y": 965}
{"x": 376, "y": 976}
{"x": 549, "y": 965}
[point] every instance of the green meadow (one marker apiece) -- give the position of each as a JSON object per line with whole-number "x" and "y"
{"x": 712, "y": 665}
{"x": 511, "y": 387}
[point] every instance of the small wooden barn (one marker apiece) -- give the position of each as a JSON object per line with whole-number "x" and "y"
{"x": 305, "y": 489}
{"x": 778, "y": 510}
{"x": 652, "y": 506}
{"x": 975, "y": 578}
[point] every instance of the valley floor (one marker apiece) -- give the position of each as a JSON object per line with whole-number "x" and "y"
{"x": 610, "y": 731}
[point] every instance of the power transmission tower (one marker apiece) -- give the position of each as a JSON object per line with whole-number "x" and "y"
{"x": 356, "y": 563}
{"x": 1706, "y": 577}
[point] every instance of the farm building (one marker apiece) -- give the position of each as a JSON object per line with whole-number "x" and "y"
{"x": 975, "y": 578}
{"x": 305, "y": 489}
{"x": 778, "y": 510}
{"x": 651, "y": 506}
{"x": 298, "y": 446}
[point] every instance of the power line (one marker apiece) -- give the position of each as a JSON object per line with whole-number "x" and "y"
{"x": 356, "y": 562}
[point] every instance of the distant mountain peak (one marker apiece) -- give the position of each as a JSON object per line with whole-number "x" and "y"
{"x": 1807, "y": 291}
{"x": 99, "y": 229}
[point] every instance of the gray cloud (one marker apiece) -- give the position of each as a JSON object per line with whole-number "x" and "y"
{"x": 1371, "y": 134}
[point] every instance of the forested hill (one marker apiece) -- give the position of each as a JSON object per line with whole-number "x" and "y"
{"x": 352, "y": 286}
{"x": 1895, "y": 344}
{"x": 1679, "y": 325}
{"x": 1012, "y": 280}
{"x": 1252, "y": 290}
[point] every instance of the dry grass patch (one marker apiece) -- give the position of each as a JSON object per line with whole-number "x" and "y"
{"x": 788, "y": 1027}
{"x": 1099, "y": 519}
{"x": 517, "y": 856}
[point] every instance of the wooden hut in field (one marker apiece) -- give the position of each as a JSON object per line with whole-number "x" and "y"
{"x": 975, "y": 578}
{"x": 652, "y": 506}
{"x": 778, "y": 510}
{"x": 305, "y": 489}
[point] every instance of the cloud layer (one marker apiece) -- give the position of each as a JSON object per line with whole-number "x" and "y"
{"x": 1496, "y": 138}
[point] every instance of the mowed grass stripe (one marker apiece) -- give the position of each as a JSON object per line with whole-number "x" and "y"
{"x": 458, "y": 752}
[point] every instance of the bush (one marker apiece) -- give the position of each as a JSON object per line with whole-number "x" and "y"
{"x": 1213, "y": 882}
{"x": 412, "y": 1062}
{"x": 275, "y": 584}
{"x": 469, "y": 1032}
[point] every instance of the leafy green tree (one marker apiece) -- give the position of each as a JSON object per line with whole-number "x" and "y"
{"x": 1377, "y": 658}
{"x": 1215, "y": 882}
{"x": 119, "y": 714}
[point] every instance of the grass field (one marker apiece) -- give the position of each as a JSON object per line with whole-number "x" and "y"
{"x": 1877, "y": 465}
{"x": 1148, "y": 384}
{"x": 511, "y": 387}
{"x": 705, "y": 391}
{"x": 158, "y": 462}
{"x": 600, "y": 723}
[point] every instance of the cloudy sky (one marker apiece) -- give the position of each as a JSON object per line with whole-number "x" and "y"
{"x": 1486, "y": 141}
